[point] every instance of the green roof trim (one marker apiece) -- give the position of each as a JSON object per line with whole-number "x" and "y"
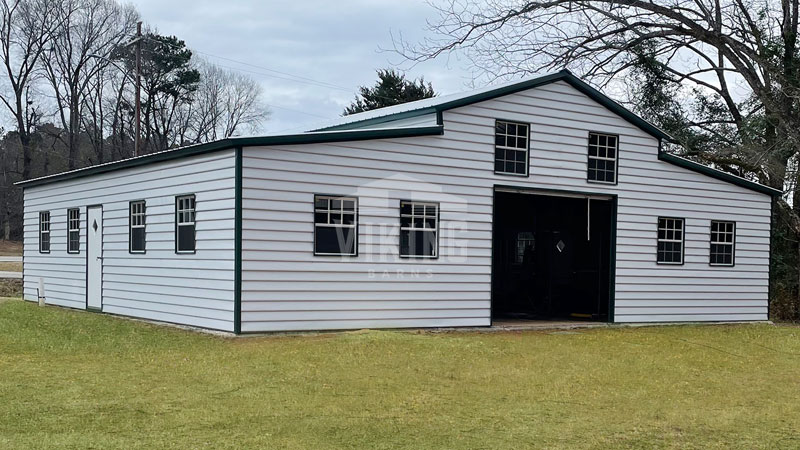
{"x": 563, "y": 75}
{"x": 718, "y": 174}
{"x": 383, "y": 119}
{"x": 232, "y": 143}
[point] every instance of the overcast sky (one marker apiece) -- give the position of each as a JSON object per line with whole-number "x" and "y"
{"x": 335, "y": 42}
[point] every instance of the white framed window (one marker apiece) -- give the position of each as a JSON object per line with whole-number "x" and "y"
{"x": 335, "y": 225}
{"x": 670, "y": 240}
{"x": 44, "y": 232}
{"x": 185, "y": 215}
{"x": 419, "y": 229}
{"x": 723, "y": 243}
{"x": 511, "y": 144}
{"x": 73, "y": 230}
{"x": 136, "y": 232}
{"x": 603, "y": 150}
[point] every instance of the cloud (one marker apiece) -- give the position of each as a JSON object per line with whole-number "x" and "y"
{"x": 334, "y": 42}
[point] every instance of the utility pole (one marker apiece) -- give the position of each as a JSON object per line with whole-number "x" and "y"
{"x": 138, "y": 140}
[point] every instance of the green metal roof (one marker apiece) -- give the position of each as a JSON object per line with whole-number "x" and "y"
{"x": 439, "y": 104}
{"x": 231, "y": 143}
{"x": 718, "y": 174}
{"x": 353, "y": 131}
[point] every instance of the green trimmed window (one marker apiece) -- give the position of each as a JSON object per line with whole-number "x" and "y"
{"x": 185, "y": 239}
{"x": 511, "y": 141}
{"x": 73, "y": 230}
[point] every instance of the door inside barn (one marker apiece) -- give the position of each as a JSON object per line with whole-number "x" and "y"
{"x": 551, "y": 256}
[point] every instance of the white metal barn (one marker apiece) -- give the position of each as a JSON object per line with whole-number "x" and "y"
{"x": 534, "y": 200}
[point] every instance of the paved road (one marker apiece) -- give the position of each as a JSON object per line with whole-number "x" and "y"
{"x": 10, "y": 258}
{"x": 17, "y": 275}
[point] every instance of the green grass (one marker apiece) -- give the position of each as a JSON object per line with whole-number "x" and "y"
{"x": 76, "y": 380}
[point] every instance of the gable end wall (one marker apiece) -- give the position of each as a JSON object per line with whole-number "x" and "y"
{"x": 286, "y": 287}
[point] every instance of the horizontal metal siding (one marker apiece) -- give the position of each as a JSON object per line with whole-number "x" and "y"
{"x": 286, "y": 287}
{"x": 191, "y": 289}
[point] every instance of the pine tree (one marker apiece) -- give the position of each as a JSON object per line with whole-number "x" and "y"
{"x": 392, "y": 88}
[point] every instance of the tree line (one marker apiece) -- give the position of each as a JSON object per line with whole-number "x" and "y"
{"x": 67, "y": 89}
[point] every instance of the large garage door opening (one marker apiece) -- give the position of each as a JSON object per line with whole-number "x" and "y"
{"x": 551, "y": 256}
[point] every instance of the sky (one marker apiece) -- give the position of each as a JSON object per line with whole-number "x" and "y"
{"x": 338, "y": 44}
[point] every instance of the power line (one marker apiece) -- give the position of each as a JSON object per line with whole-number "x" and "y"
{"x": 267, "y": 104}
{"x": 286, "y": 75}
{"x": 325, "y": 83}
{"x": 291, "y": 77}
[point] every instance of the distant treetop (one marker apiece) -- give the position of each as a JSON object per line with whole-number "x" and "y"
{"x": 392, "y": 88}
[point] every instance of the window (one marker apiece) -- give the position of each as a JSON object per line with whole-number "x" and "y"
{"x": 526, "y": 242}
{"x": 511, "y": 148}
{"x": 419, "y": 229}
{"x": 335, "y": 225}
{"x": 723, "y": 239}
{"x": 73, "y": 230}
{"x": 602, "y": 158}
{"x": 184, "y": 224}
{"x": 136, "y": 231}
{"x": 44, "y": 232}
{"x": 670, "y": 240}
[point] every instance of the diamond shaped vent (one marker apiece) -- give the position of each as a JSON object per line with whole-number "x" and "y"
{"x": 94, "y": 226}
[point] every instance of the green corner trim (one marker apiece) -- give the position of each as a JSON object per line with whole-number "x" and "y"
{"x": 237, "y": 245}
{"x": 718, "y": 174}
{"x": 230, "y": 143}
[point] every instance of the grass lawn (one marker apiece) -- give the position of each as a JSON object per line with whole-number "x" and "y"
{"x": 76, "y": 379}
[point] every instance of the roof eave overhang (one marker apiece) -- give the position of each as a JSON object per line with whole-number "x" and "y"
{"x": 718, "y": 174}
{"x": 231, "y": 143}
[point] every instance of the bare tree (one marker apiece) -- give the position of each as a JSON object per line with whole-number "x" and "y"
{"x": 721, "y": 75}
{"x": 225, "y": 102}
{"x": 742, "y": 54}
{"x": 26, "y": 27}
{"x": 81, "y": 48}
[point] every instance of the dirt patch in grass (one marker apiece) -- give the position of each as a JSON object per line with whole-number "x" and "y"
{"x": 10, "y": 266}
{"x": 10, "y": 248}
{"x": 10, "y": 287}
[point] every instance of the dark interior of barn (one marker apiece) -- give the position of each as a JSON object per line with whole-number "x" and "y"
{"x": 551, "y": 257}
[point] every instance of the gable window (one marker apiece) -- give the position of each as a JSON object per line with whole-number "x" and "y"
{"x": 603, "y": 158}
{"x": 73, "y": 230}
{"x": 44, "y": 232}
{"x": 723, "y": 239}
{"x": 670, "y": 240}
{"x": 511, "y": 148}
{"x": 136, "y": 230}
{"x": 335, "y": 225}
{"x": 419, "y": 229}
{"x": 185, "y": 224}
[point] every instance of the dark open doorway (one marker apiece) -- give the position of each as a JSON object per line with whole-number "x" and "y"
{"x": 551, "y": 256}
